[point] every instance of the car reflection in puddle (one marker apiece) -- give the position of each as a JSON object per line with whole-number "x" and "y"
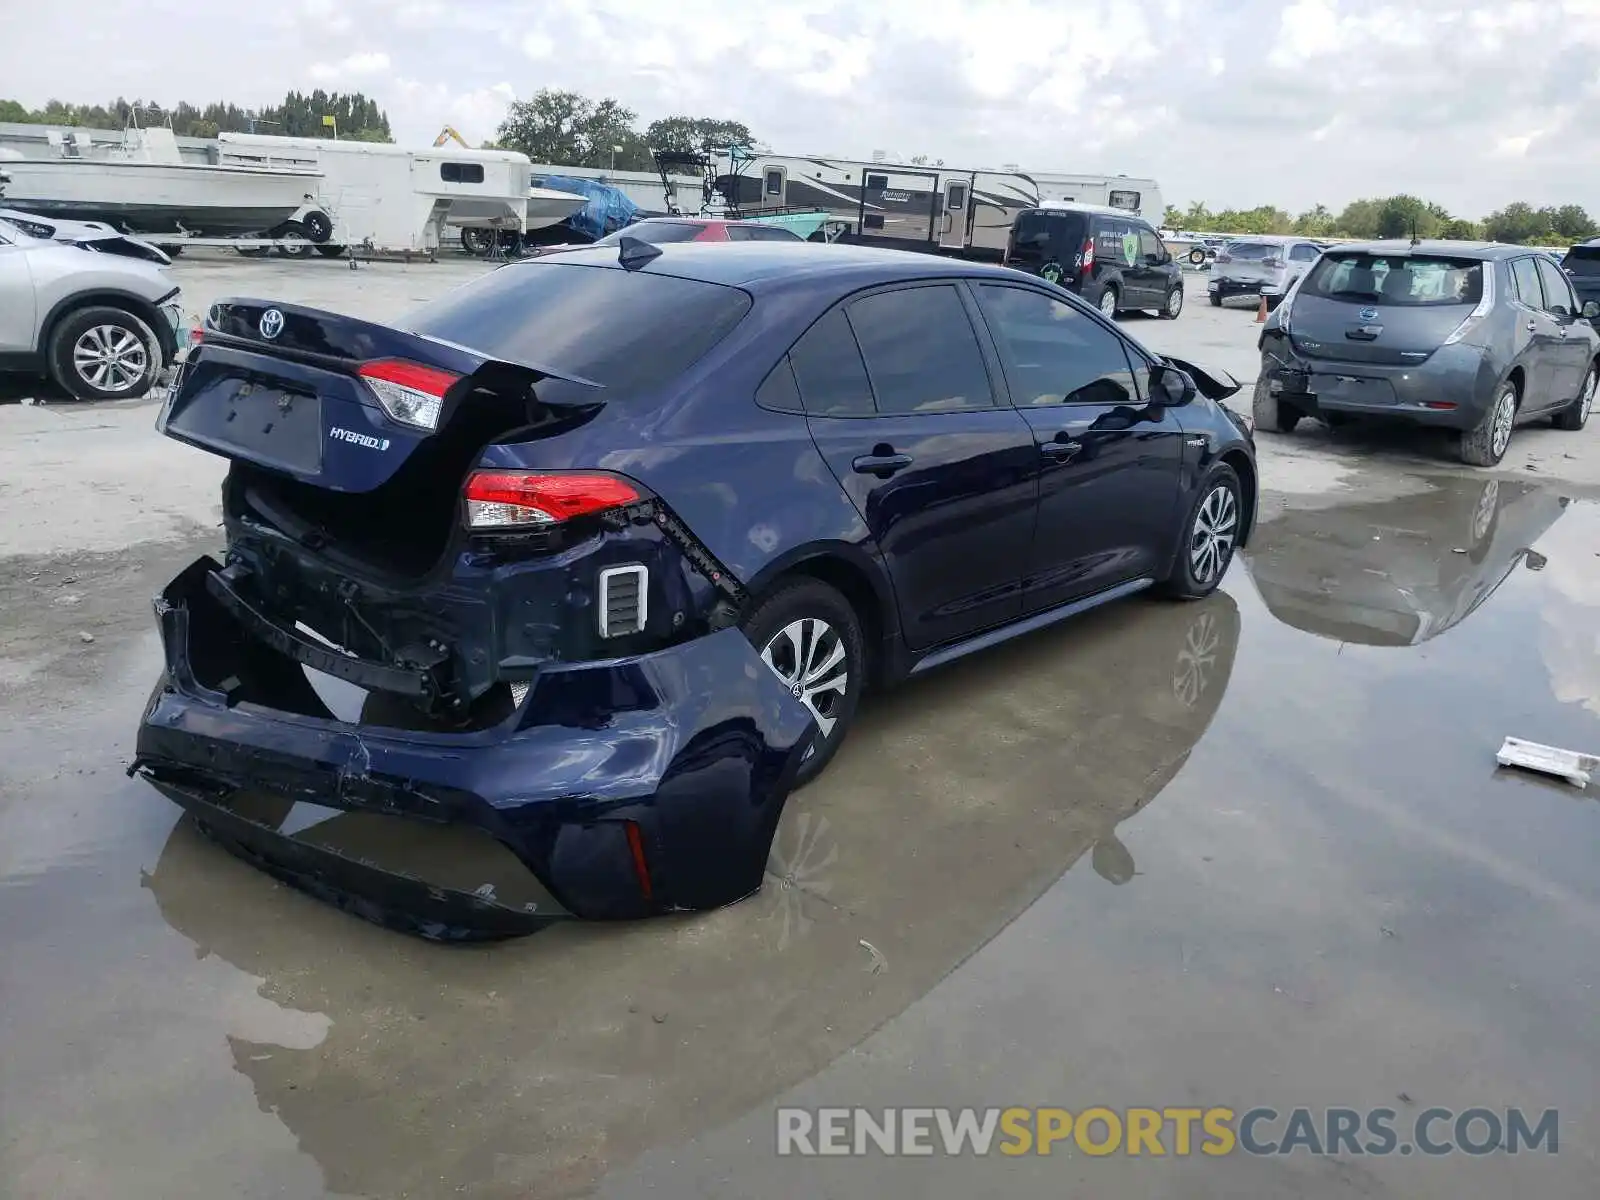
{"x": 537, "y": 1064}
{"x": 1400, "y": 572}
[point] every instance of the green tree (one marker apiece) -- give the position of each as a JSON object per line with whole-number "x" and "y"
{"x": 1462, "y": 230}
{"x": 1517, "y": 223}
{"x": 1316, "y": 221}
{"x": 1570, "y": 222}
{"x": 299, "y": 115}
{"x": 569, "y": 129}
{"x": 1402, "y": 216}
{"x": 692, "y": 135}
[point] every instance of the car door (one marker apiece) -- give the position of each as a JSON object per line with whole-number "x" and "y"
{"x": 17, "y": 311}
{"x": 1154, "y": 272}
{"x": 1119, "y": 243}
{"x": 1569, "y": 348}
{"x": 1109, "y": 461}
{"x": 900, "y": 403}
{"x": 1534, "y": 330}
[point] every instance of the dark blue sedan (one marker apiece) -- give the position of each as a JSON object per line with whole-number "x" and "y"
{"x": 614, "y": 540}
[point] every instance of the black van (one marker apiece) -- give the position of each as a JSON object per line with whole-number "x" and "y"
{"x": 1112, "y": 258}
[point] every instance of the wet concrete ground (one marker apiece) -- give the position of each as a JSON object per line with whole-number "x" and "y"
{"x": 1249, "y": 852}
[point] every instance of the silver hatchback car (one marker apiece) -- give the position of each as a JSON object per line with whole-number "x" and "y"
{"x": 1472, "y": 336}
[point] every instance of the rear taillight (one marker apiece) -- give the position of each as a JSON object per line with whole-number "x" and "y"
{"x": 409, "y": 392}
{"x": 1272, "y": 263}
{"x": 1480, "y": 311}
{"x": 519, "y": 499}
{"x": 1086, "y": 255}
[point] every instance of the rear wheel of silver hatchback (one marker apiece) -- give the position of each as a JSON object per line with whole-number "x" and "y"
{"x": 1576, "y": 415}
{"x": 1484, "y": 445}
{"x": 1210, "y": 537}
{"x": 104, "y": 354}
{"x": 810, "y": 638}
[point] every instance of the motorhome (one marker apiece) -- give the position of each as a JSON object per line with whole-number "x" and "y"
{"x": 395, "y": 199}
{"x": 1141, "y": 196}
{"x": 905, "y": 205}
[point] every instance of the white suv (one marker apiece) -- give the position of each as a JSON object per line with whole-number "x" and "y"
{"x": 83, "y": 304}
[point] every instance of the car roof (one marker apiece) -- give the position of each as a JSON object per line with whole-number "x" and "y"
{"x": 673, "y": 219}
{"x": 1488, "y": 251}
{"x": 766, "y": 265}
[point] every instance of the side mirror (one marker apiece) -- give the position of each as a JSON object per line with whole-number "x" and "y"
{"x": 1170, "y": 387}
{"x": 1591, "y": 309}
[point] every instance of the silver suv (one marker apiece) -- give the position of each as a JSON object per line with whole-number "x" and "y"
{"x": 85, "y": 305}
{"x": 1260, "y": 266}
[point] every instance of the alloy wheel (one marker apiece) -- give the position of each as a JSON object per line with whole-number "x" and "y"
{"x": 1216, "y": 525}
{"x": 110, "y": 357}
{"x": 1108, "y": 302}
{"x": 809, "y": 656}
{"x": 1586, "y": 405}
{"x": 1505, "y": 411}
{"x": 1175, "y": 302}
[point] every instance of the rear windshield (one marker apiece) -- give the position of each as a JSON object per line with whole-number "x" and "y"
{"x": 1254, "y": 250}
{"x": 657, "y": 233}
{"x": 1407, "y": 280}
{"x": 626, "y": 330}
{"x": 1041, "y": 234}
{"x": 1582, "y": 262}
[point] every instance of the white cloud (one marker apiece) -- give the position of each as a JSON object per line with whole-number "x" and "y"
{"x": 1472, "y": 103}
{"x": 354, "y": 67}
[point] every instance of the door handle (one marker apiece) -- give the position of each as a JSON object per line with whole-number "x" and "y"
{"x": 1533, "y": 327}
{"x": 1561, "y": 331}
{"x": 882, "y": 462}
{"x": 1061, "y": 451}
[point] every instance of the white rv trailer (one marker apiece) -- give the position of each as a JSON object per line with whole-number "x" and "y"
{"x": 1142, "y": 196}
{"x": 907, "y": 206}
{"x": 394, "y": 199}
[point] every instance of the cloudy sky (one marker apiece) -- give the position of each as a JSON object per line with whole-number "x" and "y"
{"x": 1235, "y": 102}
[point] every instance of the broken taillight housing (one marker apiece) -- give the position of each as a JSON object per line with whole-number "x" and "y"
{"x": 409, "y": 392}
{"x": 1086, "y": 256}
{"x": 523, "y": 499}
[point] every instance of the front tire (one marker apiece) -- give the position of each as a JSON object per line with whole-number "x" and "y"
{"x": 1174, "y": 304}
{"x": 1484, "y": 445}
{"x": 1576, "y": 415}
{"x": 1216, "y": 299}
{"x": 103, "y": 353}
{"x": 1211, "y": 533}
{"x": 1271, "y": 412}
{"x": 810, "y": 637}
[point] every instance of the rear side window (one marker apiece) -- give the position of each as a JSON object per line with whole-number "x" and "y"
{"x": 626, "y": 330}
{"x": 1583, "y": 262}
{"x": 1303, "y": 254}
{"x": 921, "y": 352}
{"x": 1053, "y": 353}
{"x": 1525, "y": 278}
{"x": 1557, "y": 291}
{"x": 828, "y": 368}
{"x": 1395, "y": 280}
{"x": 1036, "y": 236}
{"x": 761, "y": 233}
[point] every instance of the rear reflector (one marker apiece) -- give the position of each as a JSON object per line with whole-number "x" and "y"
{"x": 512, "y": 499}
{"x": 1441, "y": 405}
{"x": 641, "y": 865}
{"x": 623, "y": 607}
{"x": 409, "y": 392}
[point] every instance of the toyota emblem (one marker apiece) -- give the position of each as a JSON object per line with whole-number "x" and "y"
{"x": 271, "y": 323}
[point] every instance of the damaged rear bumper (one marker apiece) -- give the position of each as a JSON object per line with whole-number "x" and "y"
{"x": 627, "y": 787}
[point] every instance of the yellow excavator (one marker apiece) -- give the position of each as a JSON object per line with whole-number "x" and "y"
{"x": 448, "y": 133}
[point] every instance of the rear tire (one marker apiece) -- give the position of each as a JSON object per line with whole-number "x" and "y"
{"x": 1210, "y": 535}
{"x": 1109, "y": 301}
{"x": 1485, "y": 444}
{"x": 1173, "y": 306}
{"x": 799, "y": 630}
{"x": 1576, "y": 415}
{"x": 103, "y": 353}
{"x": 1271, "y": 412}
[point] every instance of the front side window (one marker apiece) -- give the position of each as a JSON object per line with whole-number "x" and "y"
{"x": 921, "y": 352}
{"x": 1150, "y": 246}
{"x": 1116, "y": 243}
{"x": 1557, "y": 291}
{"x": 1055, "y": 354}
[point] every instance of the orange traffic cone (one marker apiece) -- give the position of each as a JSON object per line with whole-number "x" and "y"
{"x": 1261, "y": 313}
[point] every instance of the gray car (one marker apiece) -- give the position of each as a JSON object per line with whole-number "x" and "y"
{"x": 85, "y": 305}
{"x": 1472, "y": 336}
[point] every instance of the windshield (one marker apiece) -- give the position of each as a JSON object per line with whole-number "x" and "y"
{"x": 657, "y": 233}
{"x": 625, "y": 330}
{"x": 1582, "y": 262}
{"x": 1403, "y": 280}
